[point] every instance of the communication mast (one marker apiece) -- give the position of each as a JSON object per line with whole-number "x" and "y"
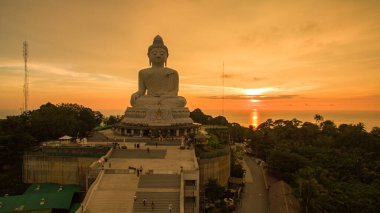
{"x": 223, "y": 91}
{"x": 26, "y": 76}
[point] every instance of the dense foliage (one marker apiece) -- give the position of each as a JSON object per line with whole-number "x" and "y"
{"x": 213, "y": 190}
{"x": 21, "y": 133}
{"x": 199, "y": 117}
{"x": 112, "y": 119}
{"x": 332, "y": 169}
{"x": 237, "y": 169}
{"x": 233, "y": 131}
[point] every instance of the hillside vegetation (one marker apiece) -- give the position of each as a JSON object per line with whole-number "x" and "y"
{"x": 330, "y": 168}
{"x": 21, "y": 133}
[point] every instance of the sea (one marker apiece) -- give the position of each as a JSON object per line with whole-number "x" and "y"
{"x": 370, "y": 119}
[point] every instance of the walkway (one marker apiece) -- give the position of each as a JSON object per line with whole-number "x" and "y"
{"x": 139, "y": 153}
{"x": 255, "y": 196}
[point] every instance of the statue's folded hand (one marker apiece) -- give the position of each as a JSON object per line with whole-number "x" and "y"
{"x": 163, "y": 97}
{"x": 134, "y": 97}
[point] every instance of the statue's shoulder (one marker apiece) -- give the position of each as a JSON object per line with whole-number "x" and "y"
{"x": 170, "y": 70}
{"x": 145, "y": 71}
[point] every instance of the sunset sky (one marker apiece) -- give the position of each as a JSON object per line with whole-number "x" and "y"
{"x": 277, "y": 55}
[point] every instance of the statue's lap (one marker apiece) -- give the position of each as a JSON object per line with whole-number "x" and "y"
{"x": 147, "y": 100}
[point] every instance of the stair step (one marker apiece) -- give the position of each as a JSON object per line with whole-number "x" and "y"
{"x": 161, "y": 201}
{"x": 160, "y": 181}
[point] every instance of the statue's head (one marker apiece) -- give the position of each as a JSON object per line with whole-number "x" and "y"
{"x": 158, "y": 52}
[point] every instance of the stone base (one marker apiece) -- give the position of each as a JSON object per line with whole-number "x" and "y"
{"x": 156, "y": 131}
{"x": 157, "y": 116}
{"x": 156, "y": 121}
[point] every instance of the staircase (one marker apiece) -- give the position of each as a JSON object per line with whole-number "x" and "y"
{"x": 171, "y": 181}
{"x": 161, "y": 200}
{"x": 162, "y": 189}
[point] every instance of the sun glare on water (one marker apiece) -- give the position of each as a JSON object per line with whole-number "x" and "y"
{"x": 255, "y": 118}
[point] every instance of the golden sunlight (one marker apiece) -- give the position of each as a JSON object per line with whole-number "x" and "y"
{"x": 259, "y": 91}
{"x": 255, "y": 118}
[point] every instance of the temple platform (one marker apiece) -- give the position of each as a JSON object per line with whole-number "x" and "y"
{"x": 155, "y": 121}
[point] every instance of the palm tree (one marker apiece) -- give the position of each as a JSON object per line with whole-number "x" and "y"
{"x": 318, "y": 118}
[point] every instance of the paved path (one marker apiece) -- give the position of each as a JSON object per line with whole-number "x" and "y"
{"x": 255, "y": 196}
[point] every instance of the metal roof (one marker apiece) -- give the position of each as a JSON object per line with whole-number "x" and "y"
{"x": 51, "y": 188}
{"x": 40, "y": 197}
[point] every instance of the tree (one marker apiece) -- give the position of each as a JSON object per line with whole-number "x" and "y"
{"x": 375, "y": 131}
{"x": 213, "y": 141}
{"x": 199, "y": 117}
{"x": 16, "y": 124}
{"x": 329, "y": 128}
{"x": 309, "y": 131}
{"x": 14, "y": 141}
{"x": 267, "y": 125}
{"x": 214, "y": 190}
{"x": 99, "y": 117}
{"x": 309, "y": 190}
{"x": 236, "y": 167}
{"x": 53, "y": 121}
{"x": 251, "y": 127}
{"x": 237, "y": 132}
{"x": 330, "y": 169}
{"x": 21, "y": 133}
{"x": 318, "y": 118}
{"x": 219, "y": 120}
{"x": 284, "y": 164}
{"x": 111, "y": 120}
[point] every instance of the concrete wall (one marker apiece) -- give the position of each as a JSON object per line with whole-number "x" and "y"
{"x": 193, "y": 175}
{"x": 56, "y": 169}
{"x": 75, "y": 151}
{"x": 216, "y": 168}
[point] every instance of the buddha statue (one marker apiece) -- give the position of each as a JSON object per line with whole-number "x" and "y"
{"x": 158, "y": 84}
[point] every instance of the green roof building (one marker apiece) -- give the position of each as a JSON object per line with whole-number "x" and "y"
{"x": 42, "y": 198}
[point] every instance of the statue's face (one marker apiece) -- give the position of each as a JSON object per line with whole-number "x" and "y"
{"x": 158, "y": 55}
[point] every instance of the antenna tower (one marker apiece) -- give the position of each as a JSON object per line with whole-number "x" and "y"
{"x": 26, "y": 76}
{"x": 223, "y": 91}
